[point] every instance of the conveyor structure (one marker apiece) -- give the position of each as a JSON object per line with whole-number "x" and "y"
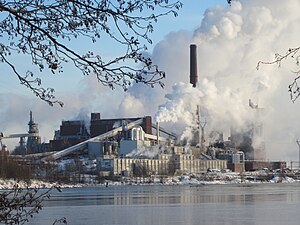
{"x": 83, "y": 145}
{"x": 114, "y": 132}
{"x": 170, "y": 133}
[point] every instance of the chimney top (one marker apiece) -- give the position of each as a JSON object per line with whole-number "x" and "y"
{"x": 193, "y": 65}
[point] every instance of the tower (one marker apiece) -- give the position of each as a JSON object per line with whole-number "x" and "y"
{"x": 35, "y": 140}
{"x": 251, "y": 139}
{"x": 258, "y": 142}
{"x": 202, "y": 139}
{"x": 198, "y": 137}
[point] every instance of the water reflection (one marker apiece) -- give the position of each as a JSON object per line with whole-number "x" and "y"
{"x": 165, "y": 195}
{"x": 262, "y": 204}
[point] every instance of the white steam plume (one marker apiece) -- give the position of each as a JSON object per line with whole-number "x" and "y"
{"x": 230, "y": 42}
{"x": 146, "y": 152}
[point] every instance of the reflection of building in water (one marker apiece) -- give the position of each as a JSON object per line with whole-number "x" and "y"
{"x": 185, "y": 195}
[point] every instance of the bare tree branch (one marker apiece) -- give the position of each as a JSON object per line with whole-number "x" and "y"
{"x": 293, "y": 53}
{"x": 41, "y": 29}
{"x": 18, "y": 204}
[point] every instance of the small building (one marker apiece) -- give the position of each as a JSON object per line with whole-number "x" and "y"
{"x": 134, "y": 142}
{"x": 235, "y": 159}
{"x": 259, "y": 165}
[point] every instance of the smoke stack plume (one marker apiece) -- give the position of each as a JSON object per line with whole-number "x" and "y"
{"x": 193, "y": 65}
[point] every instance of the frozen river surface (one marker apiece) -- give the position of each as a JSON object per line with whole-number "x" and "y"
{"x": 254, "y": 204}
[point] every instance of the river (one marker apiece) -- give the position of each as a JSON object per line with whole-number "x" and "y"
{"x": 253, "y": 204}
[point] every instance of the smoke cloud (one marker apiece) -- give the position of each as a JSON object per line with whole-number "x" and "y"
{"x": 230, "y": 42}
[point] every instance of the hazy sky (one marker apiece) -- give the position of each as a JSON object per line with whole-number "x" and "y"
{"x": 230, "y": 42}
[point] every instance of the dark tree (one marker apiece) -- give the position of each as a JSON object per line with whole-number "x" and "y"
{"x": 42, "y": 29}
{"x": 293, "y": 53}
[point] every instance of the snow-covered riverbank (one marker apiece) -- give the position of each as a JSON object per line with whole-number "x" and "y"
{"x": 211, "y": 178}
{"x": 10, "y": 183}
{"x": 188, "y": 179}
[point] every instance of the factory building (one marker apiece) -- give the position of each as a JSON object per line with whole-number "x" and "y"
{"x": 100, "y": 126}
{"x": 34, "y": 140}
{"x": 121, "y": 146}
{"x": 139, "y": 147}
{"x": 70, "y": 133}
{"x": 235, "y": 159}
{"x": 141, "y": 156}
{"x": 30, "y": 142}
{"x": 166, "y": 164}
{"x": 73, "y": 132}
{"x": 131, "y": 151}
{"x": 120, "y": 149}
{"x": 259, "y": 165}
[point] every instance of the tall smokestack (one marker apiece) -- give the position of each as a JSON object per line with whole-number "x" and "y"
{"x": 193, "y": 65}
{"x": 193, "y": 81}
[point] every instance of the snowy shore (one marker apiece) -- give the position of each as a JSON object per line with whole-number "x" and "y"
{"x": 189, "y": 179}
{"x": 6, "y": 184}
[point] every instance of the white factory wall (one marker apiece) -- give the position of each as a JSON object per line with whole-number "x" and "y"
{"x": 127, "y": 146}
{"x": 162, "y": 166}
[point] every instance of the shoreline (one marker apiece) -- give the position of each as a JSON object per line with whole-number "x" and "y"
{"x": 247, "y": 178}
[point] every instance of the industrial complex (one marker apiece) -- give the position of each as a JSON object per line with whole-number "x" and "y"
{"x": 141, "y": 147}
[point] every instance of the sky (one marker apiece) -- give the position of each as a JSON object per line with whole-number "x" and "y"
{"x": 230, "y": 41}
